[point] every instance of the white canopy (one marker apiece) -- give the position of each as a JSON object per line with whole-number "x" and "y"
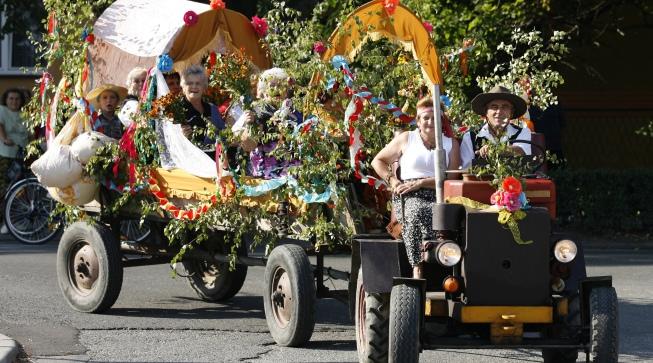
{"x": 133, "y": 33}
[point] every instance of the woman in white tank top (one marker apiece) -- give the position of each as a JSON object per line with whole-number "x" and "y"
{"x": 416, "y": 185}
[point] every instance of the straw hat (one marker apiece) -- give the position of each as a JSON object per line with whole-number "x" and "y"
{"x": 97, "y": 91}
{"x": 481, "y": 100}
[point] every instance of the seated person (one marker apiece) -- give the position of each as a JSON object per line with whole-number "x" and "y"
{"x": 135, "y": 80}
{"x": 274, "y": 112}
{"x": 415, "y": 190}
{"x": 105, "y": 99}
{"x": 497, "y": 108}
{"x": 194, "y": 83}
{"x": 173, "y": 80}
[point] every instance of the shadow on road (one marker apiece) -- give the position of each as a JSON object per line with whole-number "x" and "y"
{"x": 635, "y": 322}
{"x": 339, "y": 345}
{"x": 244, "y": 306}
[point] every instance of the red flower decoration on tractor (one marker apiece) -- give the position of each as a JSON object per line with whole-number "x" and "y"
{"x": 260, "y": 26}
{"x": 511, "y": 185}
{"x": 191, "y": 18}
{"x": 218, "y": 5}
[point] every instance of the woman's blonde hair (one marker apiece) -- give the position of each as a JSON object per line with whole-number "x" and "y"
{"x": 131, "y": 76}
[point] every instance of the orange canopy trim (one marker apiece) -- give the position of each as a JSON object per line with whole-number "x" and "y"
{"x": 370, "y": 21}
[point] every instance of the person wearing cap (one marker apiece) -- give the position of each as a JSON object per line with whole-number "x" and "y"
{"x": 497, "y": 107}
{"x": 106, "y": 99}
{"x": 415, "y": 152}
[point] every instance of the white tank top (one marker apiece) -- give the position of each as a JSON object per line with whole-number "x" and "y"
{"x": 417, "y": 161}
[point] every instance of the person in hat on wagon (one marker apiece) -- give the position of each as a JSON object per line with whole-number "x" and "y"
{"x": 106, "y": 99}
{"x": 497, "y": 107}
{"x": 415, "y": 152}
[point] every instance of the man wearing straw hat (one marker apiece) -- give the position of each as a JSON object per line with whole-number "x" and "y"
{"x": 497, "y": 107}
{"x": 105, "y": 99}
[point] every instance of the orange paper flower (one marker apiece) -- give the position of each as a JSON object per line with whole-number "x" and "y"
{"x": 217, "y": 4}
{"x": 390, "y": 6}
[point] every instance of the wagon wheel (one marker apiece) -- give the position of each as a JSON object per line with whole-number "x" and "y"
{"x": 213, "y": 281}
{"x": 89, "y": 268}
{"x": 372, "y": 313}
{"x": 289, "y": 296}
{"x": 403, "y": 339}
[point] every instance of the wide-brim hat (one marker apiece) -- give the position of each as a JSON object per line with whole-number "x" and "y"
{"x": 481, "y": 100}
{"x": 97, "y": 91}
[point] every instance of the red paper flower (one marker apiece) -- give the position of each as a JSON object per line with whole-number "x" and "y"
{"x": 428, "y": 26}
{"x": 217, "y": 4}
{"x": 260, "y": 26}
{"x": 463, "y": 129}
{"x": 390, "y": 6}
{"x": 190, "y": 18}
{"x": 90, "y": 38}
{"x": 319, "y": 47}
{"x": 511, "y": 185}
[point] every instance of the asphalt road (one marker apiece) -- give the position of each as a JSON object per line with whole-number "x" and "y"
{"x": 158, "y": 318}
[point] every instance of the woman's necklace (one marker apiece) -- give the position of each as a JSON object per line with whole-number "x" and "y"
{"x": 427, "y": 144}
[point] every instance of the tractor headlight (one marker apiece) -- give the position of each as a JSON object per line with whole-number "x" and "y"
{"x": 565, "y": 250}
{"x": 448, "y": 253}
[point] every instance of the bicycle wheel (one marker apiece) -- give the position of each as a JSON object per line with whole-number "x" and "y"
{"x": 28, "y": 210}
{"x": 131, "y": 230}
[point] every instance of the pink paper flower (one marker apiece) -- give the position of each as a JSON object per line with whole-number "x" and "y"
{"x": 390, "y": 6}
{"x": 319, "y": 47}
{"x": 260, "y": 26}
{"x": 496, "y": 198}
{"x": 190, "y": 18}
{"x": 428, "y": 26}
{"x": 510, "y": 201}
{"x": 217, "y": 4}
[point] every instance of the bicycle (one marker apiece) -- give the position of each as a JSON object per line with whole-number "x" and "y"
{"x": 29, "y": 210}
{"x": 28, "y": 206}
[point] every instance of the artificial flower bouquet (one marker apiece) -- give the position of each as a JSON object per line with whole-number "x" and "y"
{"x": 511, "y": 202}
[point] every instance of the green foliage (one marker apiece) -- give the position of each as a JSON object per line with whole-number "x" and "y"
{"x": 603, "y": 201}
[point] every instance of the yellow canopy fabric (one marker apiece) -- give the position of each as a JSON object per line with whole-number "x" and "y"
{"x": 177, "y": 183}
{"x": 404, "y": 27}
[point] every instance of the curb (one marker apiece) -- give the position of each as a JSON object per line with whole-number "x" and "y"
{"x": 8, "y": 349}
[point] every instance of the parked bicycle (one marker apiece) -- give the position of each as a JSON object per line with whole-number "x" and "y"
{"x": 29, "y": 210}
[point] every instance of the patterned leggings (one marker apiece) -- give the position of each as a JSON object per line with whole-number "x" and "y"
{"x": 417, "y": 220}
